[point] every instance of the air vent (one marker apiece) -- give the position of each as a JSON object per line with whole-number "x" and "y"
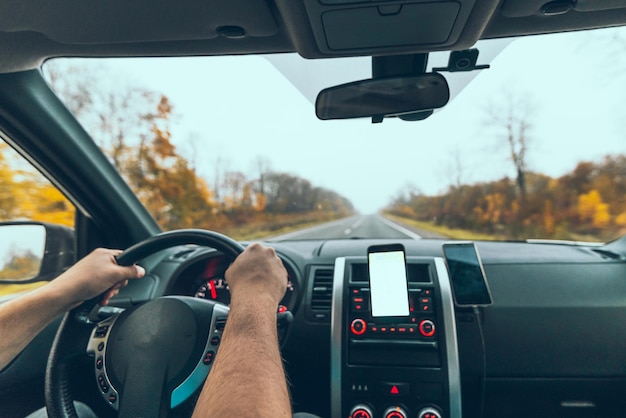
{"x": 322, "y": 290}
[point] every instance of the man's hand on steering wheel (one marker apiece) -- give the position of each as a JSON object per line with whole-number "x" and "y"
{"x": 256, "y": 274}
{"x": 97, "y": 273}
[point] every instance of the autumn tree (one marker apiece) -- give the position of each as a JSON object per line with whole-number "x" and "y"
{"x": 26, "y": 194}
{"x": 133, "y": 128}
{"x": 588, "y": 201}
{"x": 8, "y": 185}
{"x": 20, "y": 265}
{"x": 512, "y": 122}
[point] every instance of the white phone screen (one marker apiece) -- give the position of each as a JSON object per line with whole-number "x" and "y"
{"x": 388, "y": 284}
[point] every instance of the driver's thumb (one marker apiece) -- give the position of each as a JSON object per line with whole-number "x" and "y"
{"x": 134, "y": 272}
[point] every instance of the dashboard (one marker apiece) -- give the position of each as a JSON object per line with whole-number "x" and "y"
{"x": 514, "y": 358}
{"x": 205, "y": 278}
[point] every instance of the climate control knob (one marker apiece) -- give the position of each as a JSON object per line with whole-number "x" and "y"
{"x": 395, "y": 412}
{"x": 358, "y": 327}
{"x": 361, "y": 411}
{"x": 429, "y": 413}
{"x": 427, "y": 328}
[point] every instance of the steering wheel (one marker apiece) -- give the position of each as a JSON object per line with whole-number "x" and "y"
{"x": 150, "y": 358}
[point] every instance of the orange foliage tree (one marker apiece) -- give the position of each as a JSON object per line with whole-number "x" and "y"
{"x": 26, "y": 194}
{"x": 133, "y": 127}
{"x": 588, "y": 202}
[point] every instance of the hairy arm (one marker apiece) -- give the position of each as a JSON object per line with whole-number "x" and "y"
{"x": 248, "y": 379}
{"x": 22, "y": 318}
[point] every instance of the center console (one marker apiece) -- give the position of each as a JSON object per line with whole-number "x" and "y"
{"x": 407, "y": 367}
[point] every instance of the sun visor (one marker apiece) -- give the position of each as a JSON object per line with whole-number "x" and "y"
{"x": 88, "y": 22}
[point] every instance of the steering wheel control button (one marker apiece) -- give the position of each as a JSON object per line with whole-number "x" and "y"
{"x": 395, "y": 412}
{"x": 394, "y": 388}
{"x": 361, "y": 411}
{"x": 101, "y": 331}
{"x": 104, "y": 387}
{"x": 99, "y": 363}
{"x": 358, "y": 326}
{"x": 215, "y": 340}
{"x": 100, "y": 346}
{"x": 427, "y": 328}
{"x": 208, "y": 357}
{"x": 112, "y": 398}
{"x": 429, "y": 413}
{"x": 220, "y": 324}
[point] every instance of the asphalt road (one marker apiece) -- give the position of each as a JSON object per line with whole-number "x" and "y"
{"x": 359, "y": 226}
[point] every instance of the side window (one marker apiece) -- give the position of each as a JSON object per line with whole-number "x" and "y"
{"x": 25, "y": 195}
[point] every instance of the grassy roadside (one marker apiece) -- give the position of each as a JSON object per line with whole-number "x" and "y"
{"x": 452, "y": 233}
{"x": 247, "y": 233}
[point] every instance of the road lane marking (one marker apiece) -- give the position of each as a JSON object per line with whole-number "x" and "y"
{"x": 398, "y": 228}
{"x": 359, "y": 222}
{"x": 295, "y": 234}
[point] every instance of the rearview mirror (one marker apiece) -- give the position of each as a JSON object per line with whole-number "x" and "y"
{"x": 391, "y": 96}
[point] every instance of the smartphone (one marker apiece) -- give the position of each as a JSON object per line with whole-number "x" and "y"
{"x": 469, "y": 283}
{"x": 389, "y": 293}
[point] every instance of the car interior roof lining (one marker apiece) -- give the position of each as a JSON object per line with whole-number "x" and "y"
{"x": 30, "y": 32}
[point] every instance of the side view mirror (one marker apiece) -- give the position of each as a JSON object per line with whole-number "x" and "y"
{"x": 34, "y": 251}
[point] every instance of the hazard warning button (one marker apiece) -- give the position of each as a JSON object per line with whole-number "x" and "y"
{"x": 394, "y": 388}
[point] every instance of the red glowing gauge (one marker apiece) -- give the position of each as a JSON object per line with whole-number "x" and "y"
{"x": 217, "y": 289}
{"x": 211, "y": 284}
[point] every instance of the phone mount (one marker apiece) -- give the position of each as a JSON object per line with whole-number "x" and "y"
{"x": 462, "y": 61}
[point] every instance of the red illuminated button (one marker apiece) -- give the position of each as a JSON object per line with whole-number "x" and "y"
{"x": 358, "y": 327}
{"x": 427, "y": 328}
{"x": 361, "y": 411}
{"x": 395, "y": 412}
{"x": 429, "y": 413}
{"x": 208, "y": 357}
{"x": 394, "y": 388}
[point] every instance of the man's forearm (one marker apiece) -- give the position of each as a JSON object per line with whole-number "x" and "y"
{"x": 248, "y": 378}
{"x": 22, "y": 318}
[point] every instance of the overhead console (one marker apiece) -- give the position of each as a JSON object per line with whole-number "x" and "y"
{"x": 351, "y": 27}
{"x": 397, "y": 363}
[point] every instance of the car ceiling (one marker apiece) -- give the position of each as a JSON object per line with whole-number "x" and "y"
{"x": 34, "y": 30}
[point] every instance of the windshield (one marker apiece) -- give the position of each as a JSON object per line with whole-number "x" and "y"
{"x": 532, "y": 147}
